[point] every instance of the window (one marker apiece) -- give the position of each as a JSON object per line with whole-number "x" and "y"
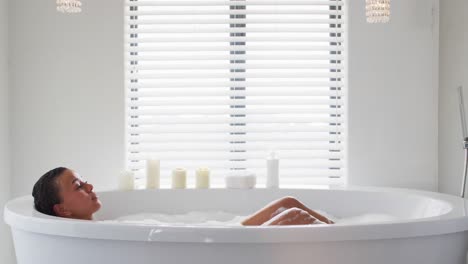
{"x": 220, "y": 83}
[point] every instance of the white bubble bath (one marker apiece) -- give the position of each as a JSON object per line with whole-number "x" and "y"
{"x": 373, "y": 225}
{"x": 220, "y": 219}
{"x": 196, "y": 218}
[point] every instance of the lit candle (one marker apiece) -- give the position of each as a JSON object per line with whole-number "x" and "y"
{"x": 203, "y": 178}
{"x": 179, "y": 178}
{"x": 127, "y": 181}
{"x": 152, "y": 174}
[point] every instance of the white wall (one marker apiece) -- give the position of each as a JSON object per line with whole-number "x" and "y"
{"x": 453, "y": 73}
{"x": 68, "y": 93}
{"x": 5, "y": 237}
{"x": 392, "y": 97}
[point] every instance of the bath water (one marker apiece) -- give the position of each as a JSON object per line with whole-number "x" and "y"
{"x": 220, "y": 218}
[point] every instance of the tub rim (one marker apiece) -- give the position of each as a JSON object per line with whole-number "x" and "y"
{"x": 20, "y": 214}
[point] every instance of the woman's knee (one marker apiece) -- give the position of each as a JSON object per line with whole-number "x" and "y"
{"x": 289, "y": 201}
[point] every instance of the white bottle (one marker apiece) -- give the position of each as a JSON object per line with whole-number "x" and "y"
{"x": 272, "y": 164}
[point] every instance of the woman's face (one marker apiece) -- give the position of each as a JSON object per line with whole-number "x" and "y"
{"x": 78, "y": 199}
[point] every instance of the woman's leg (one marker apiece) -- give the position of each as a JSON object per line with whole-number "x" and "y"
{"x": 278, "y": 206}
{"x": 293, "y": 216}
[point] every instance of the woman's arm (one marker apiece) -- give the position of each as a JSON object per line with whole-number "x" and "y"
{"x": 277, "y": 207}
{"x": 293, "y": 216}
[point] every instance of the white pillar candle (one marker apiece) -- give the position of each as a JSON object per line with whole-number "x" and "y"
{"x": 202, "y": 178}
{"x": 179, "y": 178}
{"x": 127, "y": 181}
{"x": 152, "y": 174}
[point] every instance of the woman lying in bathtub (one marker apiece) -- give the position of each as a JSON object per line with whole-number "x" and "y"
{"x": 61, "y": 192}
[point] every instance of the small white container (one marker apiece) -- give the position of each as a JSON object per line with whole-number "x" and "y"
{"x": 241, "y": 180}
{"x": 272, "y": 164}
{"x": 202, "y": 178}
{"x": 179, "y": 178}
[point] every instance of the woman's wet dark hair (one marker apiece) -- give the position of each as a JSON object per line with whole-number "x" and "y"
{"x": 46, "y": 191}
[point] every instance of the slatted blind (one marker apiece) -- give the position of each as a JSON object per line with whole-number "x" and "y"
{"x": 220, "y": 83}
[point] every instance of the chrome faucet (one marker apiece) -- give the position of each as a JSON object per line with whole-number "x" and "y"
{"x": 465, "y": 138}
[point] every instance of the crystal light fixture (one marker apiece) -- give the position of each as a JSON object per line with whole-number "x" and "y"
{"x": 69, "y": 6}
{"x": 378, "y": 11}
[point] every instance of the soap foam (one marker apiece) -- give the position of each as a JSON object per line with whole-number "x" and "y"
{"x": 220, "y": 218}
{"x": 195, "y": 218}
{"x": 367, "y": 219}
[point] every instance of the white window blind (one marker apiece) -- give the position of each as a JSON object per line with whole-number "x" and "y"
{"x": 221, "y": 83}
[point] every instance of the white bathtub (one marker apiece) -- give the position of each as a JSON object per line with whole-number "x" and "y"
{"x": 432, "y": 229}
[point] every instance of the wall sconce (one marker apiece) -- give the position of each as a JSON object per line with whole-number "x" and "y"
{"x": 378, "y": 11}
{"x": 69, "y": 6}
